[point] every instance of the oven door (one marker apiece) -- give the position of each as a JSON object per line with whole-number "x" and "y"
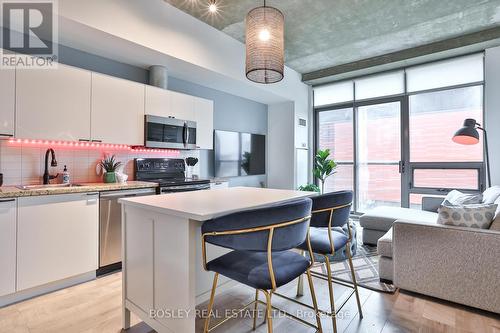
{"x": 162, "y": 132}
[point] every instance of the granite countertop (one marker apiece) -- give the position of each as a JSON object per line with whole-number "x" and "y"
{"x": 219, "y": 180}
{"x": 15, "y": 192}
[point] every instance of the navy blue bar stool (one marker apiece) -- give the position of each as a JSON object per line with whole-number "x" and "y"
{"x": 330, "y": 212}
{"x": 261, "y": 241}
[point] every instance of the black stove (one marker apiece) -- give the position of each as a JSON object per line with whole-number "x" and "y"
{"x": 169, "y": 173}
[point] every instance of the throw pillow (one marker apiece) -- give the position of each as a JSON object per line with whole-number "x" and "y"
{"x": 495, "y": 225}
{"x": 471, "y": 216}
{"x": 491, "y": 194}
{"x": 458, "y": 198}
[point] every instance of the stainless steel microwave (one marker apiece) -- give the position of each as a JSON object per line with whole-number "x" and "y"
{"x": 173, "y": 133}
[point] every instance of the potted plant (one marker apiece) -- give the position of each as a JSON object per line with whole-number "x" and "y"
{"x": 109, "y": 165}
{"x": 324, "y": 167}
{"x": 309, "y": 188}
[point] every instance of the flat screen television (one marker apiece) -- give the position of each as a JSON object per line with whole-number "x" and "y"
{"x": 239, "y": 154}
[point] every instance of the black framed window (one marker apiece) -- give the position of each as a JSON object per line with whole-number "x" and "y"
{"x": 391, "y": 133}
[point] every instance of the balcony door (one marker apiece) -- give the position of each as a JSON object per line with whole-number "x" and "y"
{"x": 365, "y": 140}
{"x": 378, "y": 151}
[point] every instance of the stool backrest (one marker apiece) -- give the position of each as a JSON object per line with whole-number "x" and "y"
{"x": 281, "y": 227}
{"x": 334, "y": 208}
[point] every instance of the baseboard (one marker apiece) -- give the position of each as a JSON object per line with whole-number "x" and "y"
{"x": 45, "y": 289}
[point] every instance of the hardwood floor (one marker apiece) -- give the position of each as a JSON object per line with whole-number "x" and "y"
{"x": 94, "y": 307}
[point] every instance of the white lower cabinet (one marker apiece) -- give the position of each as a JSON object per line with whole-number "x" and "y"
{"x": 7, "y": 246}
{"x": 57, "y": 238}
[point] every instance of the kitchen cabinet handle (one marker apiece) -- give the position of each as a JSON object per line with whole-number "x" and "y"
{"x": 84, "y": 140}
{"x": 8, "y": 135}
{"x": 7, "y": 200}
{"x": 97, "y": 141}
{"x": 91, "y": 193}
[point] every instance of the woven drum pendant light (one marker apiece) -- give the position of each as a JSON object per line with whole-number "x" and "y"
{"x": 265, "y": 45}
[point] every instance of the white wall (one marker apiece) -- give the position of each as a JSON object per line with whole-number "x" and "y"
{"x": 281, "y": 145}
{"x": 492, "y": 107}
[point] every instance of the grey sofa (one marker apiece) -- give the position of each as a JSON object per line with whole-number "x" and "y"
{"x": 378, "y": 221}
{"x": 457, "y": 264}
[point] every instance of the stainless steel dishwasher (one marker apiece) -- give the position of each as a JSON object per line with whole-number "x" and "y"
{"x": 110, "y": 227}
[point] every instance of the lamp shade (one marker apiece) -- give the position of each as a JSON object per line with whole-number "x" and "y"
{"x": 468, "y": 134}
{"x": 265, "y": 45}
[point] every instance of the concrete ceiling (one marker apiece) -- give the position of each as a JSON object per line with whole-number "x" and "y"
{"x": 326, "y": 33}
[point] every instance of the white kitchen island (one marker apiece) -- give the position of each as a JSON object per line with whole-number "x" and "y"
{"x": 163, "y": 277}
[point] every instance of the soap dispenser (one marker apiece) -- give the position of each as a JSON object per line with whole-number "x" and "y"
{"x": 65, "y": 176}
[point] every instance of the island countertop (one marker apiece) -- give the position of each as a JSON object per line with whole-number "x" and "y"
{"x": 205, "y": 205}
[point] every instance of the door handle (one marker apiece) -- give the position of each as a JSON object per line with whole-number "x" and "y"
{"x": 185, "y": 134}
{"x": 402, "y": 167}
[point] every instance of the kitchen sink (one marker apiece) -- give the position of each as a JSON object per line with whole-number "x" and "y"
{"x": 46, "y": 187}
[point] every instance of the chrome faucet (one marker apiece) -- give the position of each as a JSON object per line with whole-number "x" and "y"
{"x": 46, "y": 176}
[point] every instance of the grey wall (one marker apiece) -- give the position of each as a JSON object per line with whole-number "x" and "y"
{"x": 231, "y": 113}
{"x": 103, "y": 65}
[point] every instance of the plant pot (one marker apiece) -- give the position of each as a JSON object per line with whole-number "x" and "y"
{"x": 110, "y": 177}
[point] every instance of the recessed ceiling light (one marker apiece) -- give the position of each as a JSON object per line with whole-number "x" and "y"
{"x": 212, "y": 7}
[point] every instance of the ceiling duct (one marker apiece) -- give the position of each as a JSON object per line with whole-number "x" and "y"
{"x": 158, "y": 76}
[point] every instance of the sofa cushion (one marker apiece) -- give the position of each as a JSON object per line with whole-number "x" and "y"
{"x": 490, "y": 195}
{"x": 384, "y": 244}
{"x": 371, "y": 236}
{"x": 386, "y": 269}
{"x": 495, "y": 225}
{"x": 382, "y": 218}
{"x": 472, "y": 216}
{"x": 458, "y": 198}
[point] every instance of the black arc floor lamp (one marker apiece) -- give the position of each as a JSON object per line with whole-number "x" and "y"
{"x": 468, "y": 135}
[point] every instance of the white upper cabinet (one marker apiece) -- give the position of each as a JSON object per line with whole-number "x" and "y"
{"x": 181, "y": 106}
{"x": 57, "y": 237}
{"x": 204, "y": 117}
{"x": 117, "y": 110}
{"x": 7, "y": 101}
{"x": 8, "y": 226}
{"x": 158, "y": 101}
{"x": 53, "y": 104}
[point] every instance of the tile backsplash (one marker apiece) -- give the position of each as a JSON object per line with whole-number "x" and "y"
{"x": 24, "y": 163}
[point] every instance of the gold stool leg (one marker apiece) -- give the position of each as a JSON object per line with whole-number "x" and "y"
{"x": 330, "y": 290}
{"x": 255, "y": 309}
{"x": 315, "y": 303}
{"x": 300, "y": 283}
{"x": 355, "y": 284}
{"x": 211, "y": 303}
{"x": 269, "y": 310}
